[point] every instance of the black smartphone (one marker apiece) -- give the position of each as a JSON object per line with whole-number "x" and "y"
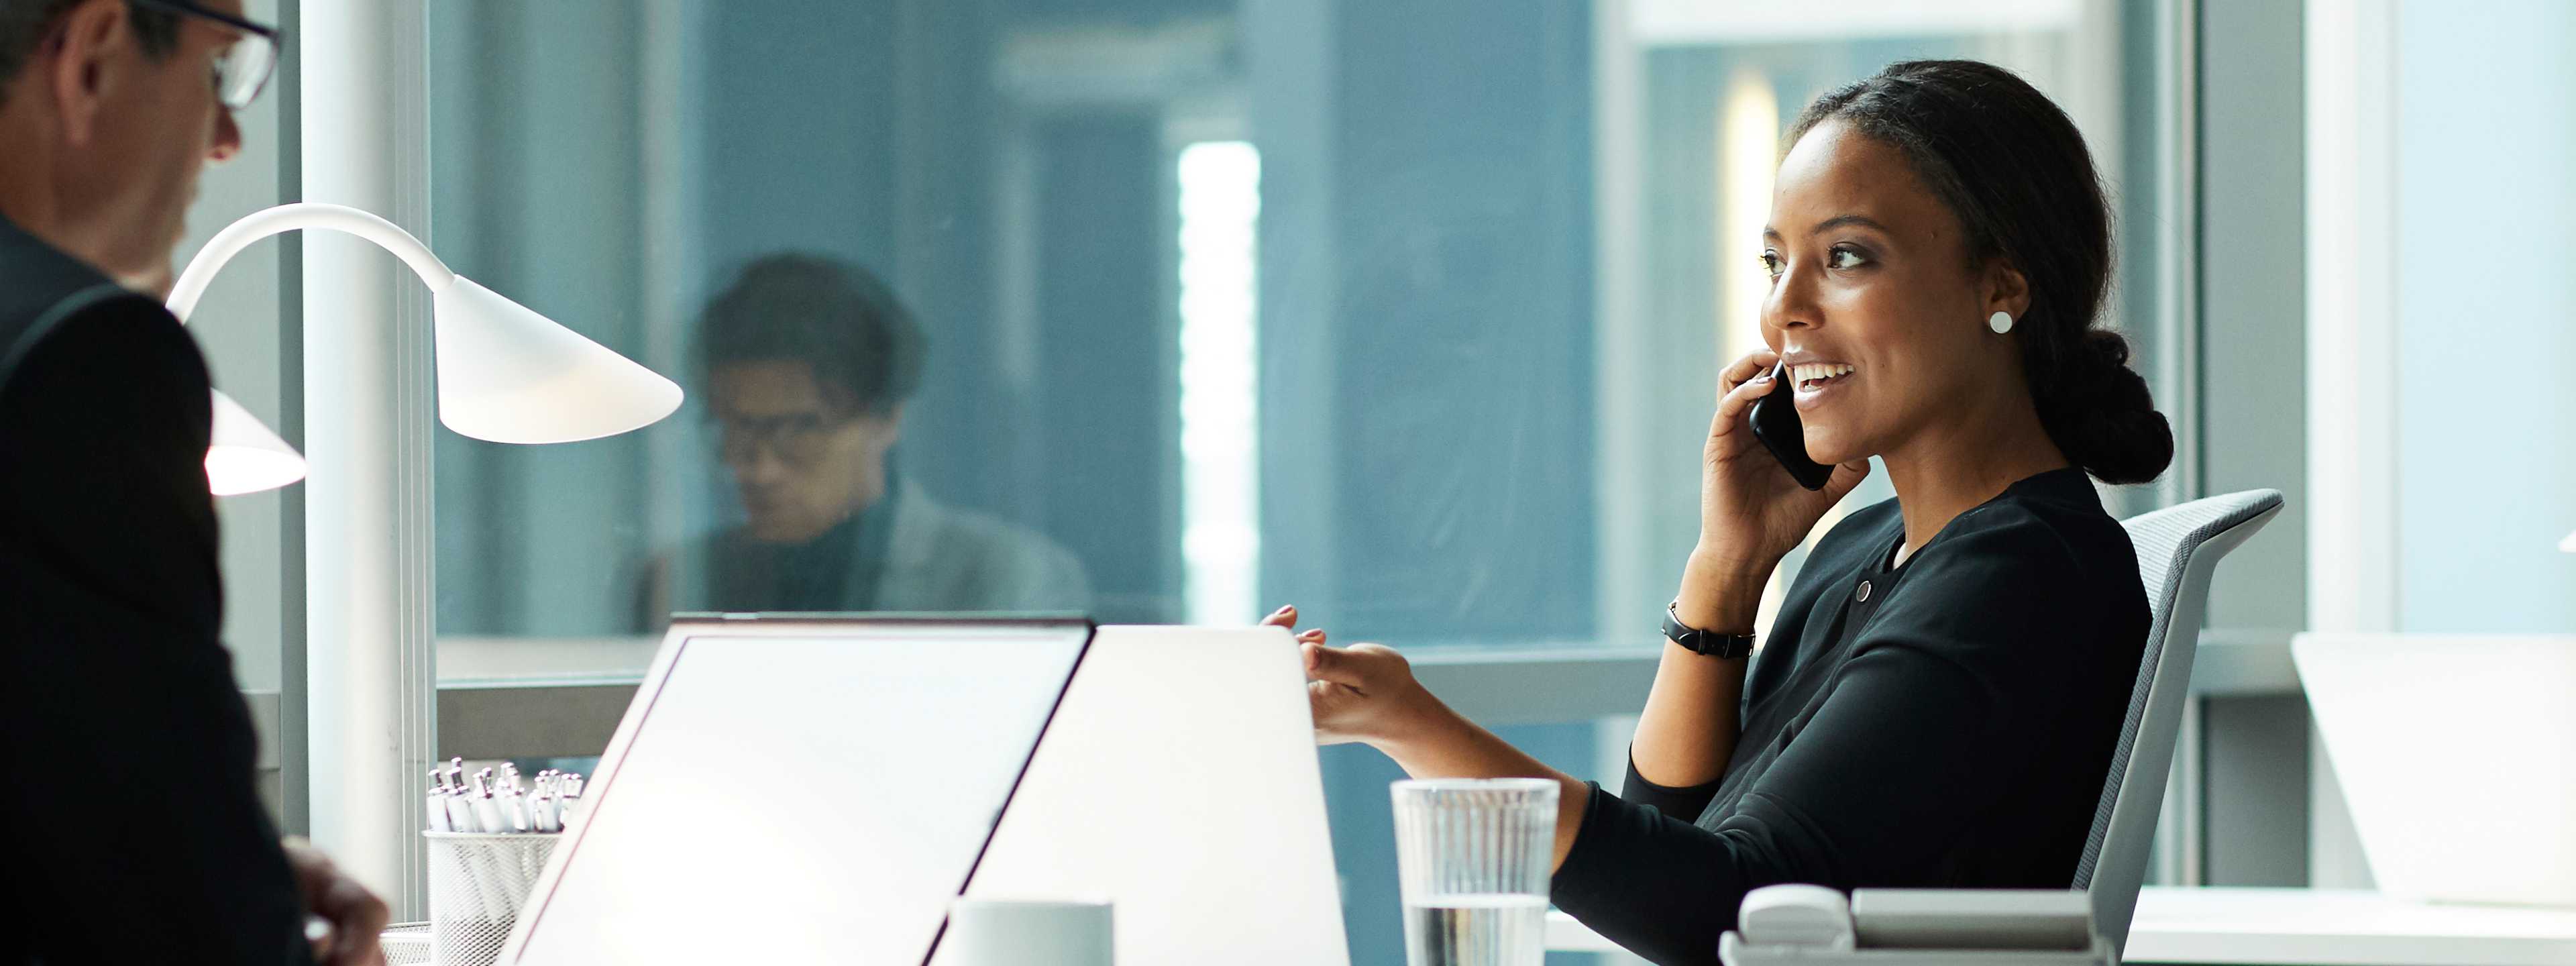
{"x": 1775, "y": 423}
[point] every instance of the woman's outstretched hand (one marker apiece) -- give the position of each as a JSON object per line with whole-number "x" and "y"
{"x": 1751, "y": 512}
{"x": 1363, "y": 693}
{"x": 1367, "y": 693}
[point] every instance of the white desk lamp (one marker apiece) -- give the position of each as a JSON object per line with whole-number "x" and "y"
{"x": 505, "y": 374}
{"x": 245, "y": 456}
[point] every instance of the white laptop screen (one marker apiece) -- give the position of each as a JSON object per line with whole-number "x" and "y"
{"x": 800, "y": 791}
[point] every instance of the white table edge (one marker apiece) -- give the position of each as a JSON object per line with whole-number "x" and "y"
{"x": 2165, "y": 931}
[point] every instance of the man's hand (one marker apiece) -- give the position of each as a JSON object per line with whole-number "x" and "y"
{"x": 357, "y": 918}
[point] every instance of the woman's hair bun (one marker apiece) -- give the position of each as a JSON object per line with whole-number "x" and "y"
{"x": 2101, "y": 414}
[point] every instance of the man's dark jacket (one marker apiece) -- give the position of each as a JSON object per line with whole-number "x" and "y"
{"x": 130, "y": 830}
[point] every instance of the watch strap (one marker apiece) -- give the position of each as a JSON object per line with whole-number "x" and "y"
{"x": 1708, "y": 643}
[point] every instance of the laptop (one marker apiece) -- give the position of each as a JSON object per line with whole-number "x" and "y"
{"x": 1179, "y": 781}
{"x": 864, "y": 772}
{"x": 798, "y": 790}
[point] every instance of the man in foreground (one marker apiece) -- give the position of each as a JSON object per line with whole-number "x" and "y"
{"x": 134, "y": 833}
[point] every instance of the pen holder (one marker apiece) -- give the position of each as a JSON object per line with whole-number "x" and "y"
{"x": 477, "y": 882}
{"x": 406, "y": 944}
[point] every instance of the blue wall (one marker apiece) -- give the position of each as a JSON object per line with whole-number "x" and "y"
{"x": 2487, "y": 312}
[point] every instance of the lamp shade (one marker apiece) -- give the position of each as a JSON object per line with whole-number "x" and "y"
{"x": 505, "y": 374}
{"x": 2569, "y": 544}
{"x": 245, "y": 456}
{"x": 509, "y": 375}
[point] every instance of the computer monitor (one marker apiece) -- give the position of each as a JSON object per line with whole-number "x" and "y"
{"x": 798, "y": 790}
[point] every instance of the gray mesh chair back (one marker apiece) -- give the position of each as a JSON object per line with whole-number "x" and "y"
{"x": 2177, "y": 548}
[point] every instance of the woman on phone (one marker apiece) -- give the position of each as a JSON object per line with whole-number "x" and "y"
{"x": 1938, "y": 700}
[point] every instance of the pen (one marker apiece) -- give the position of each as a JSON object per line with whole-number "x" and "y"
{"x": 460, "y": 816}
{"x": 514, "y": 809}
{"x": 460, "y": 807}
{"x": 542, "y": 814}
{"x": 568, "y": 802}
{"x": 487, "y": 813}
{"x": 437, "y": 802}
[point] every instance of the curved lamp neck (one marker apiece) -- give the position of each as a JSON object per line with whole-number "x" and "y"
{"x": 285, "y": 218}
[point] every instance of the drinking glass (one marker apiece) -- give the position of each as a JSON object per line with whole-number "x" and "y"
{"x": 1473, "y": 856}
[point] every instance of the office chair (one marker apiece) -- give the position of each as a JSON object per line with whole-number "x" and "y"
{"x": 2178, "y": 548}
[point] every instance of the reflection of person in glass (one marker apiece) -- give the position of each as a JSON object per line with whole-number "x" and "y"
{"x": 807, "y": 364}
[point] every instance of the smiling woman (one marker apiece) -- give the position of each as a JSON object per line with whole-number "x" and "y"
{"x": 2033, "y": 230}
{"x": 1942, "y": 690}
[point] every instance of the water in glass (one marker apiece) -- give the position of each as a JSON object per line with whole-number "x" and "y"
{"x": 1480, "y": 929}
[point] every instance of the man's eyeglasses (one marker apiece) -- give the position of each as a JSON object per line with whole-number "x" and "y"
{"x": 243, "y": 70}
{"x": 800, "y": 439}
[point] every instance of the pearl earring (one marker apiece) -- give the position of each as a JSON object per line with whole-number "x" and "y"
{"x": 2001, "y": 322}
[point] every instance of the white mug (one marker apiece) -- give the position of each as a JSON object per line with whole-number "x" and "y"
{"x": 1027, "y": 932}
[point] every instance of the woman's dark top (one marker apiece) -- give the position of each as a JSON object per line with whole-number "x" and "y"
{"x": 1946, "y": 723}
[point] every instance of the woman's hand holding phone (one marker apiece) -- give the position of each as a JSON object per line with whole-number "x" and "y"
{"x": 1751, "y": 512}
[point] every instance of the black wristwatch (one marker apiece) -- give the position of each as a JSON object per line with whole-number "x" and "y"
{"x": 1696, "y": 641}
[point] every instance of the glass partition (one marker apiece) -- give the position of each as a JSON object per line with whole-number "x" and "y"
{"x": 1165, "y": 310}
{"x": 1161, "y": 310}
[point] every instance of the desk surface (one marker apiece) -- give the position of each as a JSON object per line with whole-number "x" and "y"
{"x": 2342, "y": 928}
{"x": 2300, "y": 927}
